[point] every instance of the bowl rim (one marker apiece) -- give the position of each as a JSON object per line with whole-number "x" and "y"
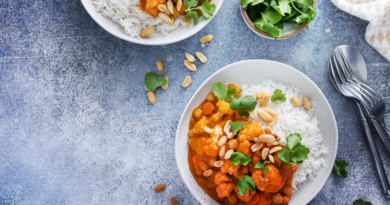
{"x": 333, "y": 156}
{"x": 93, "y": 14}
{"x": 256, "y": 30}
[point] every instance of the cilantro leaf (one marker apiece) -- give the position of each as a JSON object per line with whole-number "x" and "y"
{"x": 236, "y": 126}
{"x": 245, "y": 3}
{"x": 272, "y": 16}
{"x": 278, "y": 97}
{"x": 299, "y": 154}
{"x": 284, "y": 155}
{"x": 261, "y": 165}
{"x": 283, "y": 7}
{"x": 220, "y": 91}
{"x": 153, "y": 81}
{"x": 303, "y": 3}
{"x": 237, "y": 157}
{"x": 293, "y": 12}
{"x": 192, "y": 14}
{"x": 206, "y": 9}
{"x": 339, "y": 168}
{"x": 190, "y": 3}
{"x": 273, "y": 30}
{"x": 361, "y": 202}
{"x": 243, "y": 105}
{"x": 293, "y": 140}
{"x": 245, "y": 183}
{"x": 303, "y": 17}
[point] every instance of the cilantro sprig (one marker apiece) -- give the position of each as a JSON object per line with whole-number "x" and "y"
{"x": 206, "y": 9}
{"x": 295, "y": 151}
{"x": 278, "y": 97}
{"x": 245, "y": 183}
{"x": 261, "y": 165}
{"x": 243, "y": 105}
{"x": 339, "y": 168}
{"x": 236, "y": 126}
{"x": 219, "y": 90}
{"x": 153, "y": 81}
{"x": 269, "y": 15}
{"x": 361, "y": 202}
{"x": 237, "y": 157}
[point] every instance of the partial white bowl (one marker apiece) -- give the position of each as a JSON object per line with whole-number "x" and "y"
{"x": 254, "y": 71}
{"x": 173, "y": 37}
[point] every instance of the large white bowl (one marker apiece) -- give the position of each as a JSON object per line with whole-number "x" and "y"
{"x": 254, "y": 71}
{"x": 173, "y": 37}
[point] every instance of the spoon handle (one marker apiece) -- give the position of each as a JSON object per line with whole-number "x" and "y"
{"x": 375, "y": 153}
{"x": 381, "y": 129}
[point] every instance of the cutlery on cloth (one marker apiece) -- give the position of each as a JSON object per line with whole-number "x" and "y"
{"x": 360, "y": 73}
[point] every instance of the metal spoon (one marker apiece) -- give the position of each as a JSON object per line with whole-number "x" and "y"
{"x": 360, "y": 73}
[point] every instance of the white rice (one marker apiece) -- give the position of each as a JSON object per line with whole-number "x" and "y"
{"x": 127, "y": 14}
{"x": 293, "y": 120}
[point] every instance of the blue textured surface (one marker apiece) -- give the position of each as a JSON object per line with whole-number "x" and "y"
{"x": 76, "y": 126}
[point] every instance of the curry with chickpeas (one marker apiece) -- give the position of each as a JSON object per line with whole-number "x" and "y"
{"x": 212, "y": 144}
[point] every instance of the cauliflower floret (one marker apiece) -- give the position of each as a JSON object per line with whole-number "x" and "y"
{"x": 224, "y": 189}
{"x": 252, "y": 130}
{"x": 220, "y": 178}
{"x": 228, "y": 167}
{"x": 223, "y": 109}
{"x": 211, "y": 146}
{"x": 248, "y": 195}
{"x": 245, "y": 148}
{"x": 202, "y": 126}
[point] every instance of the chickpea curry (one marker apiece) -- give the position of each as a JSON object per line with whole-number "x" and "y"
{"x": 234, "y": 160}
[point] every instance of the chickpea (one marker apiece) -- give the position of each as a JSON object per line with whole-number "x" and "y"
{"x": 288, "y": 190}
{"x": 286, "y": 199}
{"x": 191, "y": 133}
{"x": 203, "y": 166}
{"x": 232, "y": 198}
{"x": 211, "y": 97}
{"x": 277, "y": 198}
{"x": 198, "y": 113}
{"x": 233, "y": 144}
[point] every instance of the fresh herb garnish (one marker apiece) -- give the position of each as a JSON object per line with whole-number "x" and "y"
{"x": 361, "y": 202}
{"x": 206, "y": 9}
{"x": 261, "y": 165}
{"x": 153, "y": 81}
{"x": 245, "y": 183}
{"x": 295, "y": 151}
{"x": 278, "y": 97}
{"x": 269, "y": 15}
{"x": 236, "y": 126}
{"x": 339, "y": 168}
{"x": 243, "y": 105}
{"x": 220, "y": 91}
{"x": 237, "y": 157}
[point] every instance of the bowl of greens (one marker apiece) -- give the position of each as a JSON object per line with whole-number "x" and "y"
{"x": 278, "y": 19}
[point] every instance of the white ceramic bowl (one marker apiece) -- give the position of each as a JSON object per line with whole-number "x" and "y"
{"x": 254, "y": 71}
{"x": 173, "y": 37}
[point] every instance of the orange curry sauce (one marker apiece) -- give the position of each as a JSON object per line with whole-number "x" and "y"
{"x": 205, "y": 130}
{"x": 150, "y": 6}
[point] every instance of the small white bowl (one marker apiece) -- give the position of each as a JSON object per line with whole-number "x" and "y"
{"x": 172, "y": 37}
{"x": 254, "y": 71}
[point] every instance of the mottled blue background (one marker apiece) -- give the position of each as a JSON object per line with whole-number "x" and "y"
{"x": 76, "y": 126}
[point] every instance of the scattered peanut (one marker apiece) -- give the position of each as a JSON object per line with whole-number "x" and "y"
{"x": 268, "y": 130}
{"x": 160, "y": 66}
{"x": 146, "y": 32}
{"x": 159, "y": 188}
{"x": 256, "y": 139}
{"x": 151, "y": 97}
{"x": 271, "y": 158}
{"x": 257, "y": 146}
{"x": 267, "y": 138}
{"x": 173, "y": 201}
{"x": 295, "y": 101}
{"x": 190, "y": 57}
{"x": 275, "y": 149}
{"x": 162, "y": 7}
{"x": 201, "y": 57}
{"x": 222, "y": 151}
{"x": 264, "y": 116}
{"x": 222, "y": 141}
{"x": 306, "y": 103}
{"x": 165, "y": 86}
{"x": 206, "y": 39}
{"x": 226, "y": 129}
{"x": 228, "y": 153}
{"x": 208, "y": 173}
{"x": 189, "y": 65}
{"x": 170, "y": 6}
{"x": 253, "y": 113}
{"x": 166, "y": 18}
{"x": 179, "y": 3}
{"x": 219, "y": 163}
{"x": 274, "y": 119}
{"x": 264, "y": 98}
{"x": 264, "y": 153}
{"x": 186, "y": 21}
{"x": 277, "y": 138}
{"x": 269, "y": 111}
{"x": 186, "y": 82}
{"x": 272, "y": 144}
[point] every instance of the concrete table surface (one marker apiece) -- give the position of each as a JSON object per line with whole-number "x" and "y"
{"x": 76, "y": 126}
